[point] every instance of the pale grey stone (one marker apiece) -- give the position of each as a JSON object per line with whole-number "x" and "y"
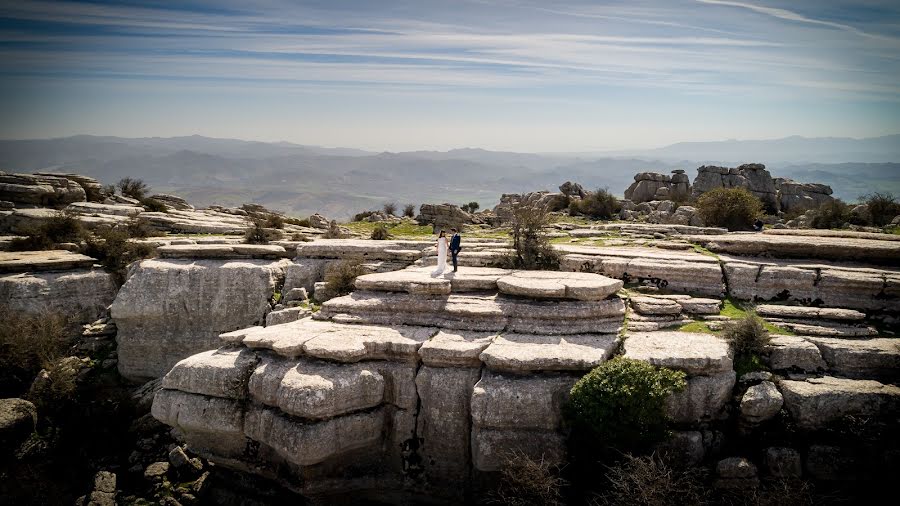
{"x": 816, "y": 402}
{"x": 454, "y": 348}
{"x": 761, "y": 402}
{"x": 524, "y": 353}
{"x": 217, "y": 373}
{"x": 703, "y": 398}
{"x": 513, "y": 402}
{"x": 693, "y": 353}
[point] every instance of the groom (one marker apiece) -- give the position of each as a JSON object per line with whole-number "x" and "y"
{"x": 455, "y": 246}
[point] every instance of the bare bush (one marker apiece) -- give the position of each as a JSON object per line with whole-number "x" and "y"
{"x": 134, "y": 188}
{"x": 340, "y": 277}
{"x": 59, "y": 228}
{"x": 525, "y": 481}
{"x": 747, "y": 335}
{"x": 883, "y": 207}
{"x": 409, "y": 210}
{"x": 380, "y": 233}
{"x": 772, "y": 492}
{"x": 29, "y": 343}
{"x": 531, "y": 247}
{"x": 651, "y": 481}
{"x": 389, "y": 208}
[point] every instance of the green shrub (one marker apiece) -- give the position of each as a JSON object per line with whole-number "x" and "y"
{"x": 340, "y": 277}
{"x": 831, "y": 215}
{"x": 134, "y": 188}
{"x": 525, "y": 481}
{"x": 883, "y": 207}
{"x": 113, "y": 247}
{"x": 380, "y": 233}
{"x": 409, "y": 210}
{"x": 389, "y": 208}
{"x": 651, "y": 481}
{"x": 153, "y": 205}
{"x": 747, "y": 335}
{"x": 531, "y": 247}
{"x": 274, "y": 221}
{"x": 732, "y": 208}
{"x": 258, "y": 233}
{"x": 363, "y": 215}
{"x": 621, "y": 404}
{"x": 334, "y": 231}
{"x": 600, "y": 205}
{"x": 61, "y": 227}
{"x": 138, "y": 227}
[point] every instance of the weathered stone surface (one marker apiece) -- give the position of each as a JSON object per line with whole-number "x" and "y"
{"x": 646, "y": 185}
{"x": 221, "y": 251}
{"x": 304, "y": 273}
{"x": 455, "y": 348}
{"x": 793, "y": 352}
{"x": 45, "y": 191}
{"x": 50, "y": 260}
{"x": 510, "y": 402}
{"x": 171, "y": 309}
{"x": 761, "y": 402}
{"x": 477, "y": 312}
{"x": 861, "y": 358}
{"x": 112, "y": 209}
{"x": 18, "y": 418}
{"x": 351, "y": 343}
{"x": 408, "y": 251}
{"x": 680, "y": 271}
{"x": 558, "y": 285}
{"x": 785, "y": 246}
{"x": 306, "y": 444}
{"x": 654, "y": 306}
{"x": 702, "y": 399}
{"x": 205, "y": 221}
{"x": 443, "y": 216}
{"x": 693, "y": 353}
{"x": 491, "y": 447}
{"x": 410, "y": 281}
{"x": 217, "y": 373}
{"x": 783, "y": 462}
{"x": 752, "y": 176}
{"x": 81, "y": 295}
{"x": 199, "y": 413}
{"x": 699, "y": 306}
{"x": 816, "y": 402}
{"x": 444, "y": 421}
{"x": 794, "y": 196}
{"x": 287, "y": 315}
{"x": 804, "y": 312}
{"x": 173, "y": 201}
{"x": 525, "y": 353}
{"x": 316, "y": 390}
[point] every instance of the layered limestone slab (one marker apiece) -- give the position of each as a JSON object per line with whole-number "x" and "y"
{"x": 794, "y": 352}
{"x": 206, "y": 221}
{"x": 455, "y": 348}
{"x": 816, "y": 402}
{"x": 693, "y": 353}
{"x": 79, "y": 294}
{"x": 50, "y": 260}
{"x": 803, "y": 312}
{"x": 170, "y": 309}
{"x": 316, "y": 390}
{"x": 408, "y": 251}
{"x": 558, "y": 285}
{"x": 113, "y": 209}
{"x": 444, "y": 421}
{"x": 818, "y": 328}
{"x": 877, "y": 358}
{"x": 525, "y": 353}
{"x": 703, "y": 398}
{"x": 654, "y": 306}
{"x": 410, "y": 281}
{"x": 515, "y": 402}
{"x": 700, "y": 306}
{"x": 680, "y": 271}
{"x": 477, "y": 313}
{"x": 804, "y": 246}
{"x": 217, "y": 373}
{"x": 198, "y": 413}
{"x": 306, "y": 444}
{"x": 491, "y": 448}
{"x": 222, "y": 251}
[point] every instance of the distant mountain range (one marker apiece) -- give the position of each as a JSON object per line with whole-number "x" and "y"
{"x": 300, "y": 179}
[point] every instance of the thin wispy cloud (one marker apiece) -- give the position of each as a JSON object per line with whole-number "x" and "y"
{"x": 441, "y": 61}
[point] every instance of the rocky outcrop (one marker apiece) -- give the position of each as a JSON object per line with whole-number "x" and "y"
{"x": 30, "y": 190}
{"x": 650, "y": 186}
{"x": 794, "y": 196}
{"x": 816, "y": 402}
{"x": 172, "y": 308}
{"x": 541, "y": 199}
{"x": 443, "y": 216}
{"x": 173, "y": 201}
{"x": 93, "y": 190}
{"x": 752, "y": 176}
{"x": 572, "y": 190}
{"x": 804, "y": 246}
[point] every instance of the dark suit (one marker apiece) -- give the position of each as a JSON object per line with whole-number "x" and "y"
{"x": 455, "y": 247}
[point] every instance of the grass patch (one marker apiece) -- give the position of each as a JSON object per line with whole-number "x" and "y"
{"x": 699, "y": 327}
{"x": 704, "y": 251}
{"x": 401, "y": 230}
{"x": 737, "y": 310}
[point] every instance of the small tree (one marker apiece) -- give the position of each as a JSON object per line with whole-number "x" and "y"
{"x": 134, "y": 188}
{"x": 531, "y": 248}
{"x": 409, "y": 210}
{"x": 883, "y": 207}
{"x": 732, "y": 208}
{"x": 473, "y": 206}
{"x": 389, "y": 208}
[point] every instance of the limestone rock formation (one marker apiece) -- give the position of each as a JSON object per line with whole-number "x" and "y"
{"x": 649, "y": 186}
{"x": 30, "y": 190}
{"x": 752, "y": 176}
{"x": 572, "y": 190}
{"x": 816, "y": 402}
{"x": 173, "y": 201}
{"x": 443, "y": 216}
{"x": 541, "y": 199}
{"x": 794, "y": 196}
{"x": 170, "y": 309}
{"x": 93, "y": 190}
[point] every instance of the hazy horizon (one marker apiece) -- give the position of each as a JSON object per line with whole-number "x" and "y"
{"x": 408, "y": 75}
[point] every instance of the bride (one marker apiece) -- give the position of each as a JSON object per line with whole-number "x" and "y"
{"x": 442, "y": 255}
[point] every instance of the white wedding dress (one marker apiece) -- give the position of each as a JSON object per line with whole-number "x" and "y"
{"x": 442, "y": 257}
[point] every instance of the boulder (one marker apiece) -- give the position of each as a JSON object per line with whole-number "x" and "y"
{"x": 173, "y": 201}
{"x": 752, "y": 176}
{"x": 703, "y": 399}
{"x": 18, "y": 419}
{"x": 319, "y": 221}
{"x": 646, "y": 185}
{"x": 443, "y": 216}
{"x": 761, "y": 402}
{"x": 93, "y": 190}
{"x": 877, "y": 358}
{"x": 501, "y": 401}
{"x": 572, "y": 190}
{"x": 526, "y": 353}
{"x": 171, "y": 309}
{"x": 816, "y": 402}
{"x": 558, "y": 285}
{"x": 80, "y": 295}
{"x": 40, "y": 190}
{"x": 793, "y": 352}
{"x": 453, "y": 348}
{"x": 693, "y": 353}
{"x": 794, "y": 196}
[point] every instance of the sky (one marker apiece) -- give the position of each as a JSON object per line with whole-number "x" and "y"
{"x": 518, "y": 75}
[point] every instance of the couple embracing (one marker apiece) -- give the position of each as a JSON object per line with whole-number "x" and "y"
{"x": 442, "y": 246}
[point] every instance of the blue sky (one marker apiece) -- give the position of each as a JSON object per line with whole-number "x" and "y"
{"x": 524, "y": 75}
